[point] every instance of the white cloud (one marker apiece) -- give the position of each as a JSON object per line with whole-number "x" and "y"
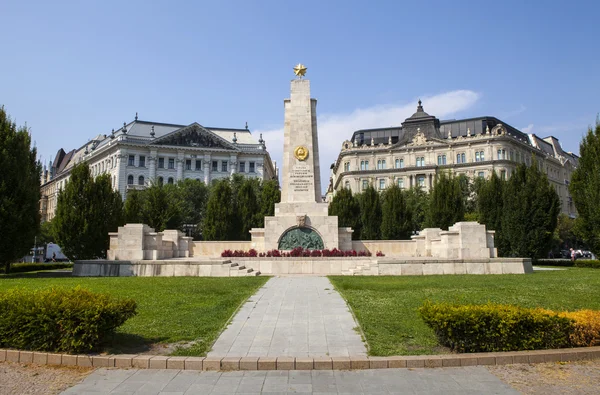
{"x": 334, "y": 128}
{"x": 527, "y": 129}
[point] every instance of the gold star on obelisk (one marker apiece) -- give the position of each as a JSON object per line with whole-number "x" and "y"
{"x": 300, "y": 70}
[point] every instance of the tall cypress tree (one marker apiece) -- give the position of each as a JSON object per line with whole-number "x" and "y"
{"x": 219, "y": 221}
{"x": 585, "y": 188}
{"x": 490, "y": 204}
{"x": 247, "y": 210}
{"x": 132, "y": 208}
{"x": 370, "y": 214}
{"x": 347, "y": 209}
{"x": 269, "y": 195}
{"x": 446, "y": 204}
{"x": 530, "y": 213}
{"x": 417, "y": 201}
{"x": 19, "y": 191}
{"x": 87, "y": 209}
{"x": 396, "y": 219}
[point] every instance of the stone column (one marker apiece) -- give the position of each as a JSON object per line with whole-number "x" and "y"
{"x": 233, "y": 162}
{"x": 207, "y": 165}
{"x": 122, "y": 172}
{"x": 180, "y": 159}
{"x": 260, "y": 170}
{"x": 152, "y": 158}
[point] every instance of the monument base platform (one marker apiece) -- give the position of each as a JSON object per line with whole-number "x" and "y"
{"x": 359, "y": 266}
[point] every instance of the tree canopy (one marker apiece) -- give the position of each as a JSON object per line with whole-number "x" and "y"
{"x": 347, "y": 208}
{"x": 446, "y": 202}
{"x": 396, "y": 222}
{"x": 19, "y": 191}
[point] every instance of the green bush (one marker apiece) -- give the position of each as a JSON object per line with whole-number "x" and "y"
{"x": 593, "y": 264}
{"x": 59, "y": 319}
{"x": 492, "y": 327}
{"x": 34, "y": 267}
{"x": 553, "y": 262}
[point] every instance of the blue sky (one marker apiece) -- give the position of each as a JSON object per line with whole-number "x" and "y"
{"x": 72, "y": 70}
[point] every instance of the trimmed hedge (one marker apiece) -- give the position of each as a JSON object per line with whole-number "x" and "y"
{"x": 586, "y": 329}
{"x": 592, "y": 264}
{"x": 34, "y": 267}
{"x": 589, "y": 263}
{"x": 493, "y": 327}
{"x": 60, "y": 320}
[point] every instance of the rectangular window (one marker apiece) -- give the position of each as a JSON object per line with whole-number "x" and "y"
{"x": 457, "y": 158}
{"x": 463, "y": 158}
{"x": 401, "y": 163}
{"x": 188, "y": 164}
{"x": 171, "y": 163}
{"x": 418, "y": 162}
{"x": 441, "y": 159}
{"x": 379, "y": 165}
{"x": 397, "y": 164}
{"x": 481, "y": 174}
{"x": 512, "y": 156}
{"x": 198, "y": 164}
{"x": 224, "y": 166}
{"x": 503, "y": 174}
{"x": 142, "y": 161}
{"x": 381, "y": 184}
{"x": 481, "y": 156}
{"x": 161, "y": 163}
{"x": 242, "y": 167}
{"x": 400, "y": 183}
{"x": 421, "y": 181}
{"x": 131, "y": 160}
{"x": 365, "y": 184}
{"x": 366, "y": 165}
{"x": 251, "y": 169}
{"x": 477, "y": 156}
{"x": 215, "y": 165}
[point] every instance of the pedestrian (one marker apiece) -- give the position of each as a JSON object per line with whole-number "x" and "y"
{"x": 572, "y": 255}
{"x": 54, "y": 256}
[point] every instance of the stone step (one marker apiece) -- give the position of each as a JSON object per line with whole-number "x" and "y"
{"x": 235, "y": 264}
{"x": 242, "y": 267}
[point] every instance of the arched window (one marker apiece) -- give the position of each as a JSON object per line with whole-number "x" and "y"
{"x": 347, "y": 184}
{"x": 130, "y": 180}
{"x": 170, "y": 181}
{"x": 160, "y": 180}
{"x": 141, "y": 180}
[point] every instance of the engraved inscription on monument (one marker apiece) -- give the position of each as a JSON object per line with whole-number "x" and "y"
{"x": 300, "y": 178}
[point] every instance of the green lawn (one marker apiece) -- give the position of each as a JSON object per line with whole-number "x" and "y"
{"x": 170, "y": 309}
{"x": 386, "y": 307}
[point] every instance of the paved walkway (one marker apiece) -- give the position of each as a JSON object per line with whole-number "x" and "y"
{"x": 295, "y": 317}
{"x": 447, "y": 381}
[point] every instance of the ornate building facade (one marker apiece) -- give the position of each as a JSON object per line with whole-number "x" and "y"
{"x": 142, "y": 152}
{"x": 413, "y": 153}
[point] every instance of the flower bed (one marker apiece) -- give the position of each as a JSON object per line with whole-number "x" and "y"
{"x": 297, "y": 252}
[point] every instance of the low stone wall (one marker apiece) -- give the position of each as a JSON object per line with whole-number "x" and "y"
{"x": 309, "y": 265}
{"x": 167, "y": 268}
{"x": 405, "y": 248}
{"x": 215, "y": 248}
{"x": 430, "y": 266}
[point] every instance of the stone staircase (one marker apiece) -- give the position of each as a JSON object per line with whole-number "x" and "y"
{"x": 370, "y": 268}
{"x": 235, "y": 270}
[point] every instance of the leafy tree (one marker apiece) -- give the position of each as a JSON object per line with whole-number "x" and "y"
{"x": 585, "y": 188}
{"x": 192, "y": 196}
{"x": 133, "y": 206}
{"x": 247, "y": 209}
{"x": 161, "y": 209}
{"x": 396, "y": 219}
{"x": 417, "y": 201}
{"x": 370, "y": 214}
{"x": 19, "y": 191}
{"x": 219, "y": 221}
{"x": 269, "y": 195}
{"x": 446, "y": 203}
{"x": 490, "y": 203}
{"x": 347, "y": 208}
{"x": 45, "y": 235}
{"x": 86, "y": 211}
{"x": 565, "y": 234}
{"x": 530, "y": 212}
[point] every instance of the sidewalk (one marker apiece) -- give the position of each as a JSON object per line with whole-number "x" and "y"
{"x": 447, "y": 381}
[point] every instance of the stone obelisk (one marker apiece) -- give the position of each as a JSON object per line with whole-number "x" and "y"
{"x": 301, "y": 219}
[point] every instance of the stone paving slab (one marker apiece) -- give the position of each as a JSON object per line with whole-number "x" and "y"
{"x": 464, "y": 381}
{"x": 292, "y": 317}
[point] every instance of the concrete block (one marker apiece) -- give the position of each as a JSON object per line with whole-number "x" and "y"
{"x": 552, "y": 356}
{"x": 249, "y": 363}
{"x": 158, "y": 362}
{"x": 39, "y": 358}
{"x": 304, "y": 364}
{"x": 26, "y": 357}
{"x": 176, "y": 363}
{"x": 412, "y": 269}
{"x": 433, "y": 268}
{"x": 378, "y": 363}
{"x": 69, "y": 360}
{"x": 323, "y": 363}
{"x": 359, "y": 363}
{"x": 415, "y": 362}
{"x": 84, "y": 361}
{"x": 267, "y": 363}
{"x": 2, "y": 355}
{"x": 450, "y": 361}
{"x": 211, "y": 363}
{"x": 54, "y": 359}
{"x": 468, "y": 361}
{"x": 434, "y": 362}
{"x": 487, "y": 360}
{"x": 504, "y": 359}
{"x": 535, "y": 357}
{"x": 230, "y": 363}
{"x": 341, "y": 363}
{"x": 193, "y": 363}
{"x": 140, "y": 361}
{"x": 396, "y": 362}
{"x": 12, "y": 356}
{"x": 126, "y": 361}
{"x": 520, "y": 358}
{"x": 286, "y": 363}
{"x": 103, "y": 361}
